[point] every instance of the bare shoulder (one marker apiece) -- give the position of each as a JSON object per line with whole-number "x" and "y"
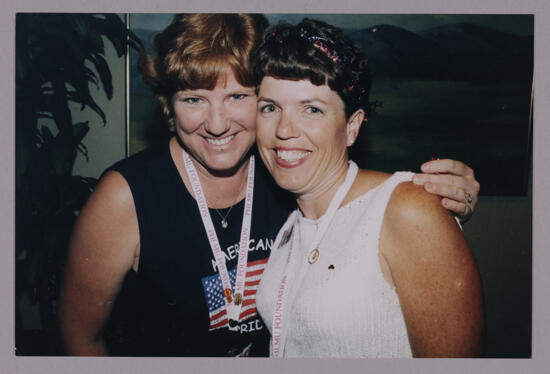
{"x": 415, "y": 223}
{"x": 411, "y": 204}
{"x": 113, "y": 189}
{"x": 109, "y": 217}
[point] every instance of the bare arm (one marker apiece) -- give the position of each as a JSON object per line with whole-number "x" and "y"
{"x": 452, "y": 180}
{"x": 103, "y": 248}
{"x": 435, "y": 275}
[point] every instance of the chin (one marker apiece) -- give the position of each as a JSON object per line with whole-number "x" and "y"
{"x": 224, "y": 163}
{"x": 290, "y": 183}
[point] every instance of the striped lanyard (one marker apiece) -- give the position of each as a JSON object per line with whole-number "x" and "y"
{"x": 277, "y": 333}
{"x": 233, "y": 298}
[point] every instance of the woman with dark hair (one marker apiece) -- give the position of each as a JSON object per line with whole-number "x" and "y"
{"x": 369, "y": 265}
{"x": 194, "y": 219}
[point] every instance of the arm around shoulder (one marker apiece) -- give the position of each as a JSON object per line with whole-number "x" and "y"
{"x": 435, "y": 275}
{"x": 103, "y": 248}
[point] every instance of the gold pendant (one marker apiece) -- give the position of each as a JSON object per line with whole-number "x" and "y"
{"x": 238, "y": 298}
{"x": 313, "y": 256}
{"x": 224, "y": 223}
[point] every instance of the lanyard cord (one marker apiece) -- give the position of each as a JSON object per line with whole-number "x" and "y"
{"x": 279, "y": 338}
{"x": 233, "y": 298}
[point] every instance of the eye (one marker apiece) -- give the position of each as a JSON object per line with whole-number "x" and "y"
{"x": 313, "y": 110}
{"x": 238, "y": 96}
{"x": 191, "y": 100}
{"x": 268, "y": 108}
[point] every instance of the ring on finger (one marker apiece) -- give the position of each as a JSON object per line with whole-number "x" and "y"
{"x": 468, "y": 197}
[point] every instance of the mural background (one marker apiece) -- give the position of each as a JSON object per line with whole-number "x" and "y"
{"x": 446, "y": 86}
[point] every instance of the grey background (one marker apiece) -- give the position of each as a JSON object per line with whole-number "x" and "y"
{"x": 493, "y": 209}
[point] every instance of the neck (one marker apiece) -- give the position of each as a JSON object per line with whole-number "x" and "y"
{"x": 315, "y": 203}
{"x": 221, "y": 189}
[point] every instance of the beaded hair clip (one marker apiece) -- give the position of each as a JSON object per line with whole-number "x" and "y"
{"x": 337, "y": 52}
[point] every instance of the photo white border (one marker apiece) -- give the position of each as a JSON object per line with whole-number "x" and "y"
{"x": 9, "y": 363}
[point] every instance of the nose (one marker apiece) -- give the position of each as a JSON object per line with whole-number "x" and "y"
{"x": 218, "y": 120}
{"x": 286, "y": 128}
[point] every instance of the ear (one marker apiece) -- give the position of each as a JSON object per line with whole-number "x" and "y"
{"x": 354, "y": 125}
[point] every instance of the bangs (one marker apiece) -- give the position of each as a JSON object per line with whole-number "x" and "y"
{"x": 282, "y": 70}
{"x": 280, "y": 60}
{"x": 204, "y": 72}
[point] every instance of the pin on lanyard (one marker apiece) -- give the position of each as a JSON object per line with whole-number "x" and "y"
{"x": 233, "y": 299}
{"x": 278, "y": 336}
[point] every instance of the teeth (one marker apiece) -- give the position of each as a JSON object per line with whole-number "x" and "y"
{"x": 222, "y": 141}
{"x": 291, "y": 155}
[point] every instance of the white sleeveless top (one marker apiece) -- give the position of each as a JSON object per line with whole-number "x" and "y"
{"x": 343, "y": 307}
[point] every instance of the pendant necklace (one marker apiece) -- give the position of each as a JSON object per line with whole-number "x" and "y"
{"x": 224, "y": 221}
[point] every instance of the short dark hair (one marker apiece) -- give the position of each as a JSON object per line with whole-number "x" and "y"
{"x": 195, "y": 49}
{"x": 320, "y": 53}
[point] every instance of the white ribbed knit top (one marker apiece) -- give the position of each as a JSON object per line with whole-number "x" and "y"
{"x": 342, "y": 307}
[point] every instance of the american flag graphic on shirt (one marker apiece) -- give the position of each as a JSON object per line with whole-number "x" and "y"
{"x": 213, "y": 290}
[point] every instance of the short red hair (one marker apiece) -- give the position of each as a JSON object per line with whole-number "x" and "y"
{"x": 195, "y": 50}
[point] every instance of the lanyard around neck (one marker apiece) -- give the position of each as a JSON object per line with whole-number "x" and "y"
{"x": 277, "y": 333}
{"x": 233, "y": 298}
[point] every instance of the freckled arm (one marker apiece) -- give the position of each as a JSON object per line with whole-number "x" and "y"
{"x": 435, "y": 275}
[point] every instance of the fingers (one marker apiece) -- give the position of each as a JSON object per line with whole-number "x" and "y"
{"x": 468, "y": 184}
{"x": 451, "y": 191}
{"x": 455, "y": 196}
{"x": 447, "y": 166}
{"x": 463, "y": 211}
{"x": 439, "y": 179}
{"x": 454, "y": 181}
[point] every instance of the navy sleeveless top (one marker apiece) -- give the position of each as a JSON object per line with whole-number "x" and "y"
{"x": 173, "y": 305}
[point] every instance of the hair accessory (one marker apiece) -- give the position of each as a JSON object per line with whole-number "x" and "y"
{"x": 340, "y": 50}
{"x": 322, "y": 44}
{"x": 336, "y": 51}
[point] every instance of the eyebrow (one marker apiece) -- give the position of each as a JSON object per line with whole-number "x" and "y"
{"x": 305, "y": 101}
{"x": 196, "y": 92}
{"x": 261, "y": 98}
{"x": 179, "y": 94}
{"x": 242, "y": 90}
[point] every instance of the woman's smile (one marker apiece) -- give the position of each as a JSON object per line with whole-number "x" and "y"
{"x": 290, "y": 157}
{"x": 220, "y": 142}
{"x": 217, "y": 126}
{"x": 302, "y": 134}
